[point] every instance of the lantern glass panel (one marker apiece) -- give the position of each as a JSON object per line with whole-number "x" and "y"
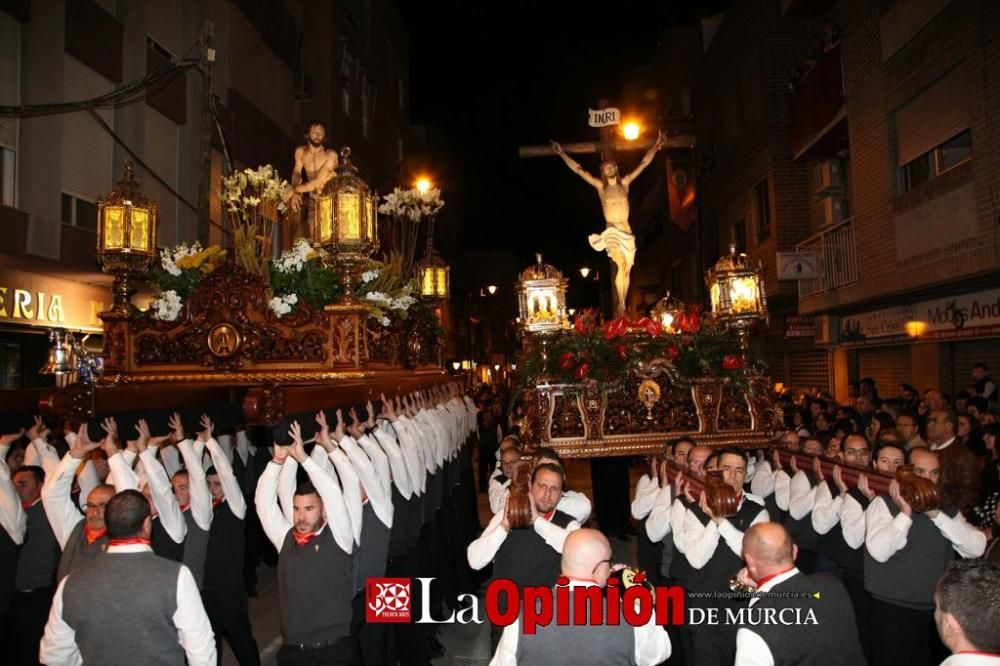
{"x": 714, "y": 294}
{"x": 427, "y": 282}
{"x": 324, "y": 219}
{"x": 139, "y": 232}
{"x": 743, "y": 294}
{"x": 542, "y": 304}
{"x": 442, "y": 282}
{"x": 370, "y": 218}
{"x": 114, "y": 227}
{"x": 348, "y": 216}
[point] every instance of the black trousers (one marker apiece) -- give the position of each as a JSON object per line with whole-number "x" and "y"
{"x": 338, "y": 654}
{"x": 227, "y": 611}
{"x": 29, "y": 612}
{"x": 373, "y": 643}
{"x": 903, "y": 636}
{"x": 611, "y": 495}
{"x": 854, "y": 583}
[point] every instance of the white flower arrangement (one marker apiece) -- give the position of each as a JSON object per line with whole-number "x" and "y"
{"x": 251, "y": 187}
{"x": 292, "y": 261}
{"x": 167, "y": 307}
{"x": 412, "y": 204}
{"x": 282, "y": 305}
{"x": 400, "y": 301}
{"x": 169, "y": 257}
{"x": 369, "y": 276}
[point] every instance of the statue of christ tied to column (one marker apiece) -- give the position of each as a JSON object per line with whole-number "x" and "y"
{"x": 617, "y": 239}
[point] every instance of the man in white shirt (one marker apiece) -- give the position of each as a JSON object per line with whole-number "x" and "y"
{"x": 586, "y": 562}
{"x": 967, "y": 613}
{"x": 95, "y": 616}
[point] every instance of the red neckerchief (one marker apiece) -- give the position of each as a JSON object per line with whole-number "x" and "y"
{"x": 216, "y": 503}
{"x": 130, "y": 541}
{"x": 548, "y": 516}
{"x": 760, "y": 583}
{"x": 184, "y": 507}
{"x": 740, "y": 498}
{"x": 302, "y": 539}
{"x": 92, "y": 535}
{"x": 27, "y": 505}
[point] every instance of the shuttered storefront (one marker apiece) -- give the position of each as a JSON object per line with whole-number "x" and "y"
{"x": 965, "y": 354}
{"x": 86, "y": 147}
{"x": 888, "y": 366}
{"x": 809, "y": 369}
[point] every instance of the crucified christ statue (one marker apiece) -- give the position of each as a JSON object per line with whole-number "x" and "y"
{"x": 617, "y": 239}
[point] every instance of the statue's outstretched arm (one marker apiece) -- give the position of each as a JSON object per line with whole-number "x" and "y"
{"x": 575, "y": 166}
{"x": 646, "y": 159}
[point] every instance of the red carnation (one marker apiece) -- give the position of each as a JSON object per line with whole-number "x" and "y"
{"x": 732, "y": 362}
{"x": 581, "y": 371}
{"x": 566, "y": 360}
{"x": 620, "y": 350}
{"x": 672, "y": 352}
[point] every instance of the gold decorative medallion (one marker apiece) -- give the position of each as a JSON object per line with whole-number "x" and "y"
{"x": 223, "y": 340}
{"x": 649, "y": 395}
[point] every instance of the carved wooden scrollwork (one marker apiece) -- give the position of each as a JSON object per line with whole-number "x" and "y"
{"x": 567, "y": 421}
{"x": 734, "y": 409}
{"x": 265, "y": 405}
{"x": 673, "y": 412}
{"x": 227, "y": 324}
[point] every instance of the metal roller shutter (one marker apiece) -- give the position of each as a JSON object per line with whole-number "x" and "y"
{"x": 809, "y": 369}
{"x": 964, "y": 354}
{"x": 8, "y": 77}
{"x": 86, "y": 147}
{"x": 888, "y": 366}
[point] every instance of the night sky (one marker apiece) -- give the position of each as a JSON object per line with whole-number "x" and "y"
{"x": 486, "y": 79}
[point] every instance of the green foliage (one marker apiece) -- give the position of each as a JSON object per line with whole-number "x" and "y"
{"x": 314, "y": 283}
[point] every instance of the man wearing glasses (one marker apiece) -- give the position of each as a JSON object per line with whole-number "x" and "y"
{"x": 586, "y": 562}
{"x": 82, "y": 538}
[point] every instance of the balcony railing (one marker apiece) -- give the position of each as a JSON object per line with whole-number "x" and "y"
{"x": 836, "y": 259}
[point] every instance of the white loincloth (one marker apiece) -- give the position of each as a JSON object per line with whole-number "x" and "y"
{"x": 614, "y": 242}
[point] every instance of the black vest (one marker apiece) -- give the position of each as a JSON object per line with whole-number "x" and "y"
{"x": 225, "y": 552}
{"x": 852, "y": 559}
{"x": 526, "y": 559}
{"x": 724, "y": 563}
{"x": 909, "y": 577}
{"x": 573, "y": 645}
{"x": 371, "y": 556}
{"x": 315, "y": 590}
{"x": 195, "y": 548}
{"x": 39, "y": 556}
{"x": 163, "y": 544}
{"x": 801, "y": 530}
{"x": 401, "y": 517}
{"x": 78, "y": 552}
{"x": 680, "y": 570}
{"x": 831, "y": 641}
{"x": 8, "y": 565}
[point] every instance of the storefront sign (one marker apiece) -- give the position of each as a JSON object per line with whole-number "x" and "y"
{"x": 798, "y": 326}
{"x": 30, "y": 299}
{"x": 965, "y": 316}
{"x": 797, "y": 265}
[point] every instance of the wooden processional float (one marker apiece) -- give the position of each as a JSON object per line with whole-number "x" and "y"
{"x": 228, "y": 351}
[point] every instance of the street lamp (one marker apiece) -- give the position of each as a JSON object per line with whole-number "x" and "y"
{"x": 126, "y": 236}
{"x": 344, "y": 221}
{"x": 492, "y": 289}
{"x": 423, "y": 184}
{"x": 584, "y": 272}
{"x": 631, "y": 130}
{"x": 737, "y": 293}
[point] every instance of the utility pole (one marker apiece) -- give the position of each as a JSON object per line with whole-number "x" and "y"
{"x": 207, "y": 129}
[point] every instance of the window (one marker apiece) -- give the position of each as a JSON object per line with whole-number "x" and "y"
{"x": 934, "y": 162}
{"x": 740, "y": 235}
{"x": 79, "y": 213}
{"x": 6, "y": 177}
{"x": 762, "y": 210}
{"x": 10, "y": 363}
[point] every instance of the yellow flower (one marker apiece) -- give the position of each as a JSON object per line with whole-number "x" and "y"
{"x": 190, "y": 261}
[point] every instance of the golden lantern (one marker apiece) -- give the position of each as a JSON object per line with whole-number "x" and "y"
{"x": 434, "y": 275}
{"x": 666, "y": 311}
{"x": 541, "y": 299}
{"x": 344, "y": 221}
{"x": 736, "y": 290}
{"x": 126, "y": 236}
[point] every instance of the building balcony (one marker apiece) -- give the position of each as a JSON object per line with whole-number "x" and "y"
{"x": 817, "y": 111}
{"x": 836, "y": 259}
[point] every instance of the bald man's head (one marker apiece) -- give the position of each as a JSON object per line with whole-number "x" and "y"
{"x": 697, "y": 457}
{"x": 587, "y": 554}
{"x": 768, "y": 549}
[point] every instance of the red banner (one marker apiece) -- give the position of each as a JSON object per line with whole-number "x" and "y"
{"x": 681, "y": 192}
